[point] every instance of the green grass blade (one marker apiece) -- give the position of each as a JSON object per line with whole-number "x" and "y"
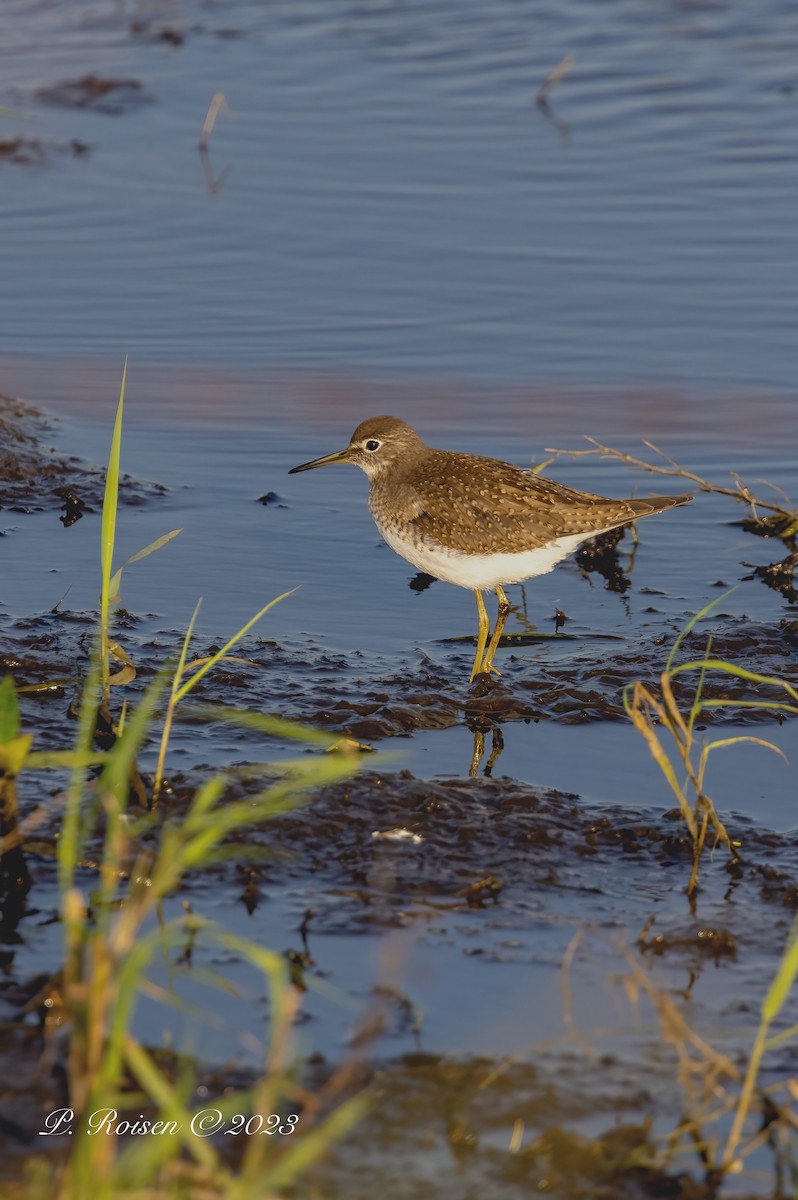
{"x": 70, "y": 843}
{"x": 155, "y": 1083}
{"x": 301, "y": 1154}
{"x": 9, "y": 710}
{"x": 718, "y": 664}
{"x": 274, "y": 727}
{"x": 108, "y": 534}
{"x": 153, "y": 546}
{"x": 751, "y": 741}
{"x": 780, "y": 988}
{"x": 691, "y": 624}
{"x": 763, "y": 705}
{"x": 122, "y": 758}
{"x": 781, "y": 1039}
{"x": 116, "y": 582}
{"x": 195, "y": 678}
{"x": 181, "y": 662}
{"x": 172, "y": 704}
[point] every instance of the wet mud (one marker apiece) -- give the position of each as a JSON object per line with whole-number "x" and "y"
{"x": 34, "y": 477}
{"x": 388, "y": 846}
{"x": 112, "y": 97}
{"x": 369, "y": 698}
{"x": 505, "y": 1129}
{"x": 39, "y": 152}
{"x": 574, "y": 682}
{"x": 435, "y": 1122}
{"x": 157, "y": 33}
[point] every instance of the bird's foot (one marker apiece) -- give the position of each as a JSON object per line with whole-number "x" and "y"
{"x": 482, "y": 680}
{"x": 487, "y": 669}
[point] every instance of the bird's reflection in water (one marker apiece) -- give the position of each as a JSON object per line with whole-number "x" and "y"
{"x": 600, "y": 556}
{"x": 480, "y": 733}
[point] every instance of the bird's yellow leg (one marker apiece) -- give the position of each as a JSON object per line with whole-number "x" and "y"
{"x": 501, "y": 621}
{"x": 482, "y": 635}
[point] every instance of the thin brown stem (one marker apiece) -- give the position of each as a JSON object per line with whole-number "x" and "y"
{"x": 674, "y": 470}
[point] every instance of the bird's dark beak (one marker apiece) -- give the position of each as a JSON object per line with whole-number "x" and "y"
{"x": 340, "y": 456}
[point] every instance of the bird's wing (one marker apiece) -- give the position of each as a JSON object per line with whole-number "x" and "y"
{"x": 461, "y": 504}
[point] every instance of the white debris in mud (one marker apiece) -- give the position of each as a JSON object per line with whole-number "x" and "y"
{"x": 398, "y": 835}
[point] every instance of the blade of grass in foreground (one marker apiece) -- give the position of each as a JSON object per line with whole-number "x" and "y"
{"x": 211, "y": 662}
{"x": 111, "y": 933}
{"x": 777, "y": 995}
{"x": 181, "y": 685}
{"x": 116, "y": 582}
{"x": 107, "y": 537}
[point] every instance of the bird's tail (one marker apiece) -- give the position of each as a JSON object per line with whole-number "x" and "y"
{"x": 655, "y": 504}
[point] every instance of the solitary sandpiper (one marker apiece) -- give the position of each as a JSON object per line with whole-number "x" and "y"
{"x": 477, "y": 522}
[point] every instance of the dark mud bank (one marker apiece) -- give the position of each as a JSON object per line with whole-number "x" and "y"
{"x": 34, "y": 477}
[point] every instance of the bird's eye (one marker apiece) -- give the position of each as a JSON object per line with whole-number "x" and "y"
{"x": 373, "y": 445}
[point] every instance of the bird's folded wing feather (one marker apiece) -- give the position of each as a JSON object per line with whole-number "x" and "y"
{"x": 495, "y": 511}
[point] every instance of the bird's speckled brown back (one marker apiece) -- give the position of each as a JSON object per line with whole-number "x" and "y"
{"x": 482, "y": 505}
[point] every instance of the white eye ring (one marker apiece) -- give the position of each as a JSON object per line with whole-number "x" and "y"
{"x": 372, "y": 445}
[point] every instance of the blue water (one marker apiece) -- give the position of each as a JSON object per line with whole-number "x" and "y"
{"x": 393, "y": 200}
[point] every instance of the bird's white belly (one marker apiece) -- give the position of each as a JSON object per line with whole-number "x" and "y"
{"x": 477, "y": 571}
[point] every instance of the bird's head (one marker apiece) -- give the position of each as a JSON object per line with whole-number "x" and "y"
{"x": 375, "y": 445}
